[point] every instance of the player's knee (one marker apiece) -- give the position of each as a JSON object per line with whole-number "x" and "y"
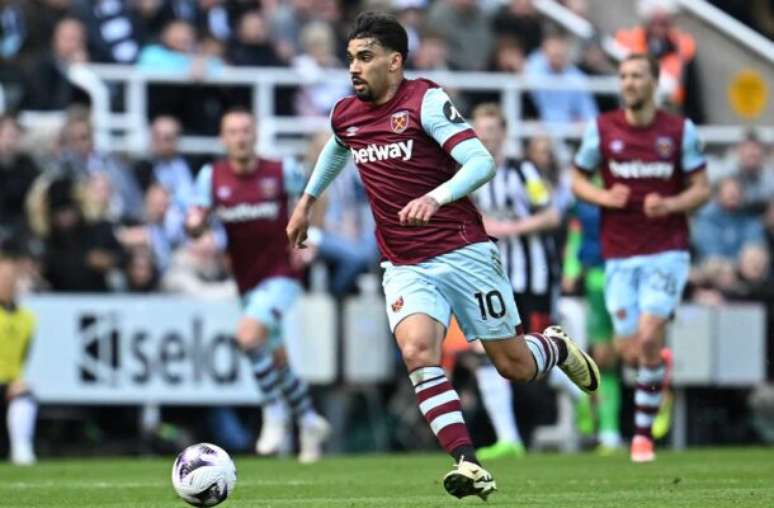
{"x": 250, "y": 334}
{"x": 417, "y": 353}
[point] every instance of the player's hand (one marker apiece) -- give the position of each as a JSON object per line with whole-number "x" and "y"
{"x": 656, "y": 206}
{"x": 196, "y": 221}
{"x": 298, "y": 225}
{"x": 301, "y": 258}
{"x": 617, "y": 196}
{"x": 418, "y": 212}
{"x": 500, "y": 229}
{"x": 16, "y": 388}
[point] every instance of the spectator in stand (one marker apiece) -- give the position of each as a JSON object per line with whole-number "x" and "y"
{"x": 166, "y": 166}
{"x": 177, "y": 53}
{"x": 199, "y": 269}
{"x": 316, "y": 97}
{"x": 97, "y": 199}
{"x": 252, "y": 46}
{"x": 198, "y": 108}
{"x": 287, "y": 20}
{"x": 17, "y": 173}
{"x": 46, "y": 85}
{"x": 722, "y": 228}
{"x": 112, "y": 34}
{"x": 79, "y": 256}
{"x": 595, "y": 62}
{"x": 467, "y": 30}
{"x": 519, "y": 19}
{"x": 755, "y": 176}
{"x": 161, "y": 230}
{"x": 141, "y": 274}
{"x": 552, "y": 62}
{"x": 432, "y": 53}
{"x": 679, "y": 84}
{"x": 79, "y": 158}
{"x": 411, "y": 14}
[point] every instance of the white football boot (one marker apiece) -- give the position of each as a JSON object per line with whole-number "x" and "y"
{"x": 273, "y": 435}
{"x": 469, "y": 479}
{"x": 315, "y": 431}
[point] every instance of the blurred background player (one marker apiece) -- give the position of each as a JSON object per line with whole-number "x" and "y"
{"x": 249, "y": 195}
{"x": 653, "y": 173}
{"x": 17, "y": 326}
{"x": 517, "y": 209}
{"x": 584, "y": 263}
{"x": 419, "y": 161}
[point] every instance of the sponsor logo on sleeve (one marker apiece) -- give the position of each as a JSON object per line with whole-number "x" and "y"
{"x": 451, "y": 113}
{"x": 397, "y": 305}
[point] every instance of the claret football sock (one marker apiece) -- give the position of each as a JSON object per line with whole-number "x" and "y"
{"x": 440, "y": 405}
{"x": 647, "y": 398}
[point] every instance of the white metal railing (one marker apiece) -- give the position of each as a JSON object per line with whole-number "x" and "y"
{"x": 731, "y": 26}
{"x": 127, "y": 131}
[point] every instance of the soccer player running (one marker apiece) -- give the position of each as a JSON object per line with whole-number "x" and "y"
{"x": 419, "y": 160}
{"x": 249, "y": 195}
{"x": 652, "y": 170}
{"x": 17, "y": 325}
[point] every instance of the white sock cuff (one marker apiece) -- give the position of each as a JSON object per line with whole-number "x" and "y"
{"x": 425, "y": 374}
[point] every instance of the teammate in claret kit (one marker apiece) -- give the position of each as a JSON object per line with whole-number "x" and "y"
{"x": 653, "y": 173}
{"x": 249, "y": 195}
{"x": 419, "y": 161}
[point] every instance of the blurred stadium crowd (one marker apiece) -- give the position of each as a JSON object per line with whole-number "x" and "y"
{"x": 92, "y": 221}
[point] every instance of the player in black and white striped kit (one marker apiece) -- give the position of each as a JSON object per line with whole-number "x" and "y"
{"x": 519, "y": 211}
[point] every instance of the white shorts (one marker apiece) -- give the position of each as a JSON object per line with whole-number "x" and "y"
{"x": 268, "y": 303}
{"x": 468, "y": 282}
{"x": 651, "y": 283}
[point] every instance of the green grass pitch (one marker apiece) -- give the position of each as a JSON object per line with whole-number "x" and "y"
{"x": 705, "y": 478}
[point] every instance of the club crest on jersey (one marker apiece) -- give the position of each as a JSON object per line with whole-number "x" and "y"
{"x": 399, "y": 121}
{"x": 664, "y": 147}
{"x": 268, "y": 187}
{"x": 224, "y": 192}
{"x": 617, "y": 145}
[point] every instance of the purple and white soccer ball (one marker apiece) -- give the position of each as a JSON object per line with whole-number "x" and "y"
{"x": 203, "y": 475}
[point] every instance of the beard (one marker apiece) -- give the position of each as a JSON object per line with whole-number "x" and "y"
{"x": 365, "y": 95}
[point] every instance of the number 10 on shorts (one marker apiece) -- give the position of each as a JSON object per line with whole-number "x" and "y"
{"x": 491, "y": 304}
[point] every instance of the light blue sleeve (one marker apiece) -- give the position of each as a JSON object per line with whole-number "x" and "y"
{"x": 332, "y": 159}
{"x": 478, "y": 167}
{"x": 693, "y": 158}
{"x": 294, "y": 176}
{"x": 202, "y": 194}
{"x": 589, "y": 156}
{"x": 440, "y": 119}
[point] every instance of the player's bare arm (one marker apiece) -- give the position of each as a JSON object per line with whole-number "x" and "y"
{"x": 616, "y": 196}
{"x": 696, "y": 194}
{"x": 543, "y": 220}
{"x": 329, "y": 164}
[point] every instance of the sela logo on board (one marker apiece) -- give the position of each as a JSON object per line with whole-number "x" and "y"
{"x": 113, "y": 355}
